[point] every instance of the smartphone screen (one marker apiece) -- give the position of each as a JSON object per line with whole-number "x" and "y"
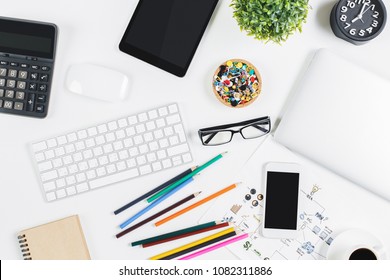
{"x": 281, "y": 200}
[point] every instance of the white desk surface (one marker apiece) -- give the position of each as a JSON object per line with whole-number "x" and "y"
{"x": 90, "y": 31}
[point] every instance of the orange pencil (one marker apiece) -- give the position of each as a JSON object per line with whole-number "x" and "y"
{"x": 192, "y": 206}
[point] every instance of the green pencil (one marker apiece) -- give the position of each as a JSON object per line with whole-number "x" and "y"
{"x": 177, "y": 183}
{"x": 174, "y": 233}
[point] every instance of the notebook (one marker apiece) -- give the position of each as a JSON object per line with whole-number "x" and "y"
{"x": 339, "y": 117}
{"x": 59, "y": 240}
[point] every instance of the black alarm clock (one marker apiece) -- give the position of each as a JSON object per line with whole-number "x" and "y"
{"x": 358, "y": 21}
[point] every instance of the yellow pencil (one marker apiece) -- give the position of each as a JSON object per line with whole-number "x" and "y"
{"x": 192, "y": 206}
{"x": 192, "y": 244}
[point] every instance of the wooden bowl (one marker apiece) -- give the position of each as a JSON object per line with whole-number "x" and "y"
{"x": 237, "y": 83}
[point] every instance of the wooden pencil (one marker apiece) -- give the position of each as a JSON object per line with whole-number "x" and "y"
{"x": 183, "y": 235}
{"x": 155, "y": 190}
{"x": 199, "y": 246}
{"x": 207, "y": 199}
{"x": 174, "y": 233}
{"x": 174, "y": 185}
{"x": 192, "y": 244}
{"x": 162, "y": 212}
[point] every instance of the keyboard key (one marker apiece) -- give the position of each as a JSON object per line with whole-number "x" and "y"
{"x": 173, "y": 119}
{"x": 122, "y": 123}
{"x": 153, "y": 114}
{"x": 1, "y": 103}
{"x": 45, "y": 68}
{"x": 48, "y": 176}
{"x": 91, "y": 174}
{"x": 12, "y": 73}
{"x": 20, "y": 95}
{"x": 3, "y": 72}
{"x": 21, "y": 85}
{"x": 163, "y": 111}
{"x": 146, "y": 169}
{"x": 51, "y": 143}
{"x": 125, "y": 175}
{"x": 157, "y": 166}
{"x": 18, "y": 106}
{"x": 167, "y": 163}
{"x": 173, "y": 108}
{"x": 180, "y": 149}
{"x": 92, "y": 131}
{"x": 39, "y": 146}
{"x": 40, "y": 108}
{"x": 187, "y": 158}
{"x": 174, "y": 140}
{"x": 82, "y": 187}
{"x": 23, "y": 75}
{"x": 41, "y": 98}
{"x": 1, "y": 92}
{"x": 62, "y": 140}
{"x": 9, "y": 93}
{"x": 51, "y": 196}
{"x": 177, "y": 161}
{"x": 121, "y": 166}
{"x": 31, "y": 102}
{"x": 49, "y": 186}
{"x": 2, "y": 82}
{"x": 47, "y": 165}
{"x": 49, "y": 154}
{"x": 60, "y": 183}
{"x": 44, "y": 77}
{"x": 71, "y": 190}
{"x": 143, "y": 117}
{"x": 70, "y": 180}
{"x": 39, "y": 157}
{"x": 60, "y": 193}
{"x": 82, "y": 134}
{"x": 11, "y": 83}
{"x": 112, "y": 125}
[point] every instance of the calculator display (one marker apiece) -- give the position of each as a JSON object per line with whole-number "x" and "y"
{"x": 26, "y": 38}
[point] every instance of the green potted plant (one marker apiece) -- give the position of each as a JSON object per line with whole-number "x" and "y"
{"x": 270, "y": 20}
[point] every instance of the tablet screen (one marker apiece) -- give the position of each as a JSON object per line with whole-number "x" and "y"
{"x": 166, "y": 33}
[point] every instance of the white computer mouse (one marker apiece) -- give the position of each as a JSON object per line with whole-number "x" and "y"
{"x": 97, "y": 82}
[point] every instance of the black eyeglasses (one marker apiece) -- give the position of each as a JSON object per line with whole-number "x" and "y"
{"x": 218, "y": 135}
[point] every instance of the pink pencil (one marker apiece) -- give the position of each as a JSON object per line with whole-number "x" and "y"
{"x": 215, "y": 247}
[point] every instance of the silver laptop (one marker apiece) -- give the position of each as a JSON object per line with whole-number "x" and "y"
{"x": 339, "y": 117}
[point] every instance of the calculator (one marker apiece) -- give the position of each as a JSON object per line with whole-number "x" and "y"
{"x": 27, "y": 53}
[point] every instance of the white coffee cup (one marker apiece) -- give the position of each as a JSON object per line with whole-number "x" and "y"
{"x": 356, "y": 244}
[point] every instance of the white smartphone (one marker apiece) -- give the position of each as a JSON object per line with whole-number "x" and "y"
{"x": 282, "y": 182}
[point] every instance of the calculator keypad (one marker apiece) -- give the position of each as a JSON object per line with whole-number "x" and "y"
{"x": 24, "y": 87}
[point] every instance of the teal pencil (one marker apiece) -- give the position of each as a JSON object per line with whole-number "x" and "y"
{"x": 174, "y": 185}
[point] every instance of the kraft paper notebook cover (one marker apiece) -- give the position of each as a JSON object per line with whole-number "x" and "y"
{"x": 59, "y": 240}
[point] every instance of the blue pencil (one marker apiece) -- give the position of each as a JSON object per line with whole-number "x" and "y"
{"x": 156, "y": 202}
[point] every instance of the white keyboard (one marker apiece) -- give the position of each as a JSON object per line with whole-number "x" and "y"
{"x": 111, "y": 152}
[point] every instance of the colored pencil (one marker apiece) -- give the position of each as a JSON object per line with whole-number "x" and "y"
{"x": 162, "y": 212}
{"x": 155, "y": 203}
{"x": 193, "y": 244}
{"x": 174, "y": 233}
{"x": 174, "y": 185}
{"x": 199, "y": 246}
{"x": 162, "y": 186}
{"x": 215, "y": 247}
{"x": 219, "y": 225}
{"x": 192, "y": 206}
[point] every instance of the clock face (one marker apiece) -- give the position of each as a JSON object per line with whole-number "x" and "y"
{"x": 360, "y": 20}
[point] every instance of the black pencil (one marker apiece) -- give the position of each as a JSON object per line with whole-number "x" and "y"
{"x": 146, "y": 195}
{"x": 162, "y": 212}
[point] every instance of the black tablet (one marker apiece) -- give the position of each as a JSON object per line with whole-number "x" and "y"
{"x": 166, "y": 33}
